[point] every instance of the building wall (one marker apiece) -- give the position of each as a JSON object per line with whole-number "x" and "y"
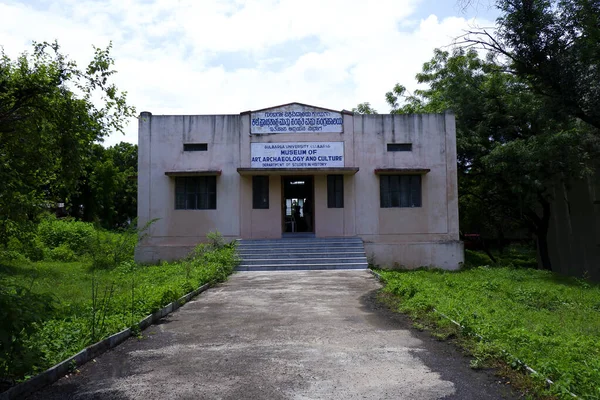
{"x": 334, "y": 222}
{"x": 264, "y": 224}
{"x": 161, "y": 140}
{"x": 411, "y": 237}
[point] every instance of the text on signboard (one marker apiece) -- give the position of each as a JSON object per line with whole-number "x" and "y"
{"x": 296, "y": 121}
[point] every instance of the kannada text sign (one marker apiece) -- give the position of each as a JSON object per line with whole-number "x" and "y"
{"x": 295, "y": 119}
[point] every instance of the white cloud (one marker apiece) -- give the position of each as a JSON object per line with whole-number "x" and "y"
{"x": 164, "y": 49}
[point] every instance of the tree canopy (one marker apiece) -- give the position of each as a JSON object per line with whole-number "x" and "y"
{"x": 107, "y": 187}
{"x": 553, "y": 45}
{"x": 51, "y": 114}
{"x": 364, "y": 108}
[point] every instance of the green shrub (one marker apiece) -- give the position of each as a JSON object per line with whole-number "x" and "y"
{"x": 220, "y": 260}
{"x": 57, "y": 340}
{"x": 13, "y": 251}
{"x": 76, "y": 235}
{"x": 215, "y": 239}
{"x": 11, "y": 255}
{"x": 36, "y": 250}
{"x": 20, "y": 312}
{"x": 24, "y": 250}
{"x": 476, "y": 259}
{"x": 62, "y": 253}
{"x": 109, "y": 249}
{"x": 15, "y": 245}
{"x": 169, "y": 296}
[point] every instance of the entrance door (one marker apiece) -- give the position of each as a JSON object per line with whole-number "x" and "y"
{"x": 298, "y": 204}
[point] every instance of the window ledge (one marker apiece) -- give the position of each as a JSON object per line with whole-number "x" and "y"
{"x": 401, "y": 171}
{"x": 206, "y": 172}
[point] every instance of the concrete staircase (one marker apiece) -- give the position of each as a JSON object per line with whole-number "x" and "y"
{"x": 301, "y": 254}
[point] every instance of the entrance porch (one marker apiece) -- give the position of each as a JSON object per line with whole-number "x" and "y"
{"x": 297, "y": 203}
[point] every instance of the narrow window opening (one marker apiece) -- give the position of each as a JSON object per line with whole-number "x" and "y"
{"x": 260, "y": 192}
{"x": 195, "y": 147}
{"x": 335, "y": 191}
{"x": 399, "y": 147}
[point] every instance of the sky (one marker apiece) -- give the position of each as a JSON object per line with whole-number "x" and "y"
{"x": 230, "y": 56}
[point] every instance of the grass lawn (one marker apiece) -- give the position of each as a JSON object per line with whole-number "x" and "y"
{"x": 550, "y": 323}
{"x": 76, "y": 306}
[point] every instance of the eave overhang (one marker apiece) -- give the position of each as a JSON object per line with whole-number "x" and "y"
{"x": 202, "y": 172}
{"x": 299, "y": 171}
{"x": 401, "y": 171}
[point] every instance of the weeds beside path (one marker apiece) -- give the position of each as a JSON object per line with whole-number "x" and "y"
{"x": 548, "y": 322}
{"x": 53, "y": 309}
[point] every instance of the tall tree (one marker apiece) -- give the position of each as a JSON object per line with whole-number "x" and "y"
{"x": 364, "y": 108}
{"x": 511, "y": 148}
{"x": 124, "y": 157}
{"x": 553, "y": 45}
{"x": 48, "y": 123}
{"x": 107, "y": 188}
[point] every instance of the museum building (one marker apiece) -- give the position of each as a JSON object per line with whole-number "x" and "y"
{"x": 297, "y": 171}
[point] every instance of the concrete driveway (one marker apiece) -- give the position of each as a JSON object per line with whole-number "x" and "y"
{"x": 282, "y": 335}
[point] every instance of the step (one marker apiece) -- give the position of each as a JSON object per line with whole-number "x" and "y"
{"x": 307, "y": 254}
{"x": 297, "y": 267}
{"x": 301, "y": 250}
{"x": 304, "y": 239}
{"x": 296, "y": 241}
{"x": 289, "y": 254}
{"x": 309, "y": 242}
{"x": 298, "y": 246}
{"x": 303, "y": 261}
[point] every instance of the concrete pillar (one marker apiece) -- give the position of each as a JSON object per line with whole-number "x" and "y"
{"x": 144, "y": 167}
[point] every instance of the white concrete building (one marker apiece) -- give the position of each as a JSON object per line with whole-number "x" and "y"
{"x": 297, "y": 170}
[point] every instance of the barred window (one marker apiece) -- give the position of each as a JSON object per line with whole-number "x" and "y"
{"x": 260, "y": 192}
{"x": 335, "y": 191}
{"x": 400, "y": 191}
{"x": 196, "y": 193}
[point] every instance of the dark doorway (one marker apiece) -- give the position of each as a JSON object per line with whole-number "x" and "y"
{"x": 298, "y": 215}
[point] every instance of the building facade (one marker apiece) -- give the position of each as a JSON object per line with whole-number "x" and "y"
{"x": 301, "y": 171}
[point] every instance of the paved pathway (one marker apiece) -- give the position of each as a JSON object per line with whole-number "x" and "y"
{"x": 282, "y": 335}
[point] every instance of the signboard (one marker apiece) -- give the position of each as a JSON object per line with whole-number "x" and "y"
{"x": 295, "y": 118}
{"x": 297, "y": 155}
